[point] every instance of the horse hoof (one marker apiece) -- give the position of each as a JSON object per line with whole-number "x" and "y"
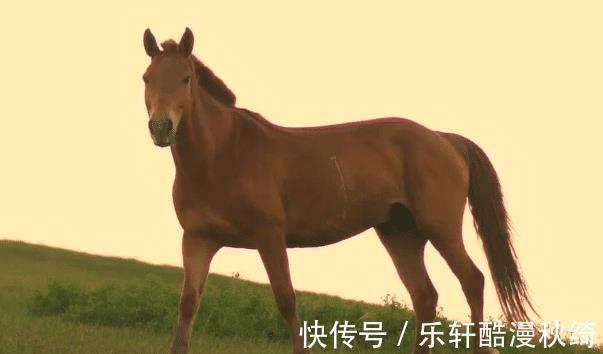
{"x": 303, "y": 351}
{"x": 489, "y": 351}
{"x": 179, "y": 350}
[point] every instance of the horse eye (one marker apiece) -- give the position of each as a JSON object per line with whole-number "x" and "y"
{"x": 186, "y": 80}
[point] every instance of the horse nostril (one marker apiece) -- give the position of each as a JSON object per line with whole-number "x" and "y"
{"x": 160, "y": 126}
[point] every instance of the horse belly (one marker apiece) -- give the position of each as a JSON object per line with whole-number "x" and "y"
{"x": 323, "y": 232}
{"x": 339, "y": 199}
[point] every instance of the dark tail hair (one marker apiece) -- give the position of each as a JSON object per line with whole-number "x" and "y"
{"x": 493, "y": 226}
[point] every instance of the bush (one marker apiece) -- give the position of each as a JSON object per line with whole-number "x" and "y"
{"x": 227, "y": 309}
{"x": 59, "y": 299}
{"x": 148, "y": 305}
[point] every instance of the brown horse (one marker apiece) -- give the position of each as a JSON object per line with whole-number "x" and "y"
{"x": 244, "y": 182}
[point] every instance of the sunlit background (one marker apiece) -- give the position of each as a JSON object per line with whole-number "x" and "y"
{"x": 522, "y": 79}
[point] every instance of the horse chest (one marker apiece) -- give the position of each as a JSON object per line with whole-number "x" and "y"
{"x": 202, "y": 220}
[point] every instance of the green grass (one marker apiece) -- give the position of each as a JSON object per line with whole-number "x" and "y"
{"x": 59, "y": 301}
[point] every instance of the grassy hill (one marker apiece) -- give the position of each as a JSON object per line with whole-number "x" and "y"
{"x": 59, "y": 301}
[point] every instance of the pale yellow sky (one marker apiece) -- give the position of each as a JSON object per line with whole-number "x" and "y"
{"x": 522, "y": 79}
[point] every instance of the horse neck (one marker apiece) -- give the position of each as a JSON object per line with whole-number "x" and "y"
{"x": 202, "y": 133}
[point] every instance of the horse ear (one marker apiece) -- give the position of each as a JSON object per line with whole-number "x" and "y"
{"x": 150, "y": 44}
{"x": 186, "y": 42}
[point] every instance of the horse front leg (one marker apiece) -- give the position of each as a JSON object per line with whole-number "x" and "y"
{"x": 273, "y": 251}
{"x": 197, "y": 253}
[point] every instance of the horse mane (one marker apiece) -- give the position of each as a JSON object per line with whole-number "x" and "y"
{"x": 207, "y": 79}
{"x": 213, "y": 84}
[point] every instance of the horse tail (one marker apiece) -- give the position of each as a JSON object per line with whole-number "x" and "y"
{"x": 492, "y": 224}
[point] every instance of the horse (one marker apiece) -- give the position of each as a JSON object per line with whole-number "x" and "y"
{"x": 244, "y": 182}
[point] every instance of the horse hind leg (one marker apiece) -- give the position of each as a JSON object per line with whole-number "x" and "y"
{"x": 443, "y": 228}
{"x": 406, "y": 247}
{"x": 471, "y": 278}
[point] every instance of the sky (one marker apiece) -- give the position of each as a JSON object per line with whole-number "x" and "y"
{"x": 522, "y": 79}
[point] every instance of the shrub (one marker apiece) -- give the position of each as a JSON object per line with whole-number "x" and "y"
{"x": 227, "y": 309}
{"x": 58, "y": 299}
{"x": 148, "y": 305}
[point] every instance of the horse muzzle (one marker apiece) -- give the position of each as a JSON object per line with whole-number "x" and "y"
{"x": 162, "y": 131}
